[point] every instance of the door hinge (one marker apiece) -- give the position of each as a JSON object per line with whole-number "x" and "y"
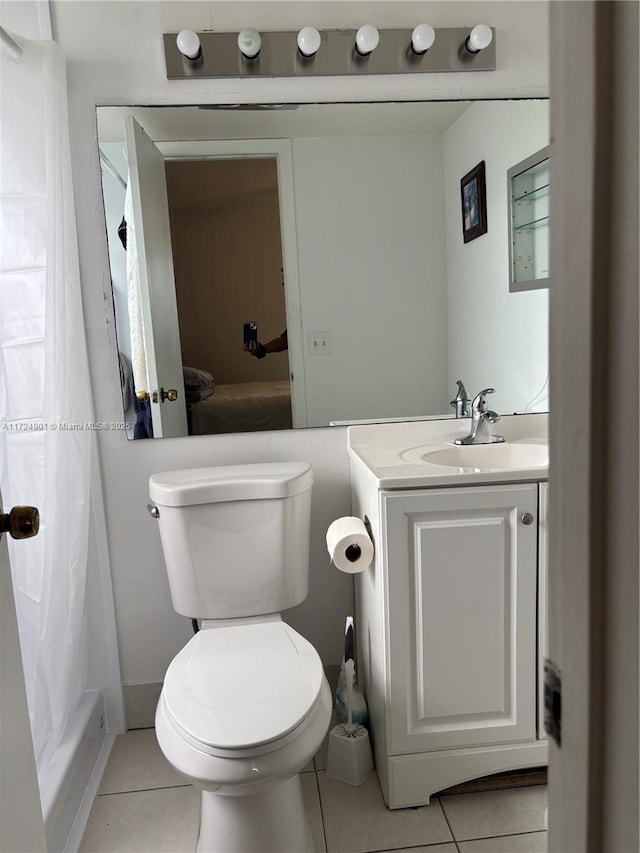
{"x": 553, "y": 701}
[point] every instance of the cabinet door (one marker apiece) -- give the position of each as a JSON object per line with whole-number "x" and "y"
{"x": 461, "y": 584}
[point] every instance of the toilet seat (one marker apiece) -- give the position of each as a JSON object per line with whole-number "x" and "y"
{"x": 242, "y": 687}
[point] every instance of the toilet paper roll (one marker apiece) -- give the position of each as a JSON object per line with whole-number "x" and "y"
{"x": 349, "y": 545}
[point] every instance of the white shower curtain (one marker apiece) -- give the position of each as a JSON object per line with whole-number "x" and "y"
{"x": 45, "y": 403}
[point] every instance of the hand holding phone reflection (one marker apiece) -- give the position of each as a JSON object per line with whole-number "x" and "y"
{"x": 250, "y": 340}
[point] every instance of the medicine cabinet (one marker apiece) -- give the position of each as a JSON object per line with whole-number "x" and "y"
{"x": 528, "y": 187}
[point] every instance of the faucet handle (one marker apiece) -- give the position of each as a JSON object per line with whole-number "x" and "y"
{"x": 480, "y": 401}
{"x": 461, "y": 393}
{"x": 461, "y": 401}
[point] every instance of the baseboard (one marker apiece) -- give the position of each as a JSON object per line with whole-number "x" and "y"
{"x": 68, "y": 787}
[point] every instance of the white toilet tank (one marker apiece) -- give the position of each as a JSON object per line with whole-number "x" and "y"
{"x": 235, "y": 537}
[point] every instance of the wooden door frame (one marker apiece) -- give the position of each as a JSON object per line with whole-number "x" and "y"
{"x": 281, "y": 150}
{"x": 593, "y": 553}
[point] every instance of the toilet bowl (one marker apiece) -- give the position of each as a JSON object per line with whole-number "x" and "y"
{"x": 245, "y": 705}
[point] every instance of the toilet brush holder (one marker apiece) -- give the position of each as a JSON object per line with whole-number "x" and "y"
{"x": 349, "y": 758}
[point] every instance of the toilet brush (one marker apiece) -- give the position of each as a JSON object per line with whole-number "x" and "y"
{"x": 349, "y": 758}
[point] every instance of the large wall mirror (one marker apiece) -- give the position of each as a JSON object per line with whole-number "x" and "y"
{"x": 305, "y": 265}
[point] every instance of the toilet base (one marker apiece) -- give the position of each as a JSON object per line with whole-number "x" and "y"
{"x": 271, "y": 821}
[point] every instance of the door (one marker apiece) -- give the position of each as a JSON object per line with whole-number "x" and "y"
{"x": 157, "y": 286}
{"x": 21, "y": 824}
{"x": 593, "y": 426}
{"x": 462, "y": 616}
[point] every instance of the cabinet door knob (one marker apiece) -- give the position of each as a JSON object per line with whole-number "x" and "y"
{"x": 527, "y": 518}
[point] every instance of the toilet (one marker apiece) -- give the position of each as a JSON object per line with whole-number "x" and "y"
{"x": 245, "y": 704}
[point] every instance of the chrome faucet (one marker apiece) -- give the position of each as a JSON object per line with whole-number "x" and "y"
{"x": 481, "y": 419}
{"x": 461, "y": 402}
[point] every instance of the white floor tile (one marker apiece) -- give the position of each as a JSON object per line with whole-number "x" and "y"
{"x": 530, "y": 842}
{"x": 166, "y": 820}
{"x": 430, "y": 848}
{"x": 356, "y": 819}
{"x": 136, "y": 763}
{"x": 493, "y": 813}
{"x": 145, "y": 806}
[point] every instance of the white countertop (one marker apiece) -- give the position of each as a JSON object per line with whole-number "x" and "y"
{"x": 388, "y": 451}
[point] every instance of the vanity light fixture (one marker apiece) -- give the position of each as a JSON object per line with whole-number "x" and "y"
{"x": 367, "y": 39}
{"x": 249, "y": 42}
{"x": 308, "y": 52}
{"x": 479, "y": 38}
{"x": 188, "y": 44}
{"x": 422, "y": 38}
{"x": 309, "y": 40}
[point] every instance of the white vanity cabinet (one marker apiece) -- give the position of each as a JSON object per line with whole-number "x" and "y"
{"x": 449, "y": 633}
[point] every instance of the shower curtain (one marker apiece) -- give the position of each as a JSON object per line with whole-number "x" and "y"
{"x": 46, "y": 417}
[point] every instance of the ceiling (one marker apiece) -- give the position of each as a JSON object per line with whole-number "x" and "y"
{"x": 281, "y": 121}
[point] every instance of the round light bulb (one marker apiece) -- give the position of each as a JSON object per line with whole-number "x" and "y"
{"x": 249, "y": 42}
{"x": 479, "y": 38}
{"x": 367, "y": 39}
{"x": 422, "y": 38}
{"x": 309, "y": 41}
{"x": 189, "y": 44}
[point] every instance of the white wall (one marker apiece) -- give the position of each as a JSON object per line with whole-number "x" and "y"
{"x": 348, "y": 192}
{"x": 513, "y": 356}
{"x": 114, "y": 53}
{"x": 225, "y": 240}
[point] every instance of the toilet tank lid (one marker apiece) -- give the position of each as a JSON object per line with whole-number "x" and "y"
{"x": 257, "y": 481}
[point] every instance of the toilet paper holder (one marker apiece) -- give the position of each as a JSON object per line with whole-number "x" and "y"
{"x": 367, "y": 524}
{"x": 353, "y": 552}
{"x": 356, "y": 548}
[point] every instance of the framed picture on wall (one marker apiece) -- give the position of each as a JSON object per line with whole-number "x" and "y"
{"x": 473, "y": 193}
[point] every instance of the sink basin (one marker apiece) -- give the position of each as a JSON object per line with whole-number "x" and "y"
{"x": 510, "y": 455}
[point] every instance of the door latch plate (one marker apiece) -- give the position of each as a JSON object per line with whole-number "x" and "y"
{"x": 553, "y": 701}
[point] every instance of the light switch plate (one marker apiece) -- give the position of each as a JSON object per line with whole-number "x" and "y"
{"x": 319, "y": 343}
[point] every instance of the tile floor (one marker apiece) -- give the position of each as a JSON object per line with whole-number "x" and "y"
{"x": 143, "y": 806}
